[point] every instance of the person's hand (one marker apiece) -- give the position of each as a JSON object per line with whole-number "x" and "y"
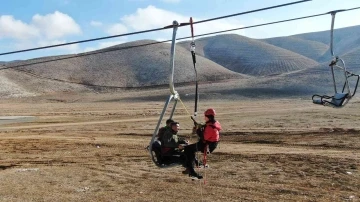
{"x": 194, "y": 130}
{"x": 181, "y": 147}
{"x": 199, "y": 125}
{"x": 187, "y": 141}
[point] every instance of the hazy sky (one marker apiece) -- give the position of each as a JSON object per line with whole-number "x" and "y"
{"x": 28, "y": 24}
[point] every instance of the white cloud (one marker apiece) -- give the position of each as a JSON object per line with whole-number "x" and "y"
{"x": 51, "y": 26}
{"x": 152, "y": 17}
{"x": 116, "y": 29}
{"x": 96, "y": 23}
{"x": 170, "y": 1}
{"x": 56, "y": 25}
{"x": 220, "y": 25}
{"x": 12, "y": 28}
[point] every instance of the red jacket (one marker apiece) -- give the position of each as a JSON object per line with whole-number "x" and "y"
{"x": 211, "y": 132}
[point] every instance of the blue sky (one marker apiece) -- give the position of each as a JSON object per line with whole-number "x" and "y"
{"x": 29, "y": 24}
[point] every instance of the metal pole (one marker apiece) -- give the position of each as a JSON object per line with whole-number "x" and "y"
{"x": 172, "y": 59}
{"x": 333, "y": 76}
{"x": 159, "y": 122}
{"x": 332, "y": 32}
{"x": 173, "y": 109}
{"x": 174, "y": 94}
{"x": 346, "y": 77}
{"x": 331, "y": 48}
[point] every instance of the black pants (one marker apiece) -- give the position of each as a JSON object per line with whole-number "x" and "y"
{"x": 190, "y": 151}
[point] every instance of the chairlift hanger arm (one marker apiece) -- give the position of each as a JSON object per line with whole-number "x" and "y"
{"x": 337, "y": 58}
{"x": 174, "y": 95}
{"x": 193, "y": 55}
{"x": 339, "y": 100}
{"x": 350, "y": 74}
{"x": 175, "y": 26}
{"x": 356, "y": 85}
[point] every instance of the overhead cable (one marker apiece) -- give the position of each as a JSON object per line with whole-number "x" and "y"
{"x": 152, "y": 30}
{"x": 165, "y": 41}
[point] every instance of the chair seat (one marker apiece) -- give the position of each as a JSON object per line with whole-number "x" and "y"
{"x": 338, "y": 98}
{"x": 318, "y": 101}
{"x": 336, "y": 101}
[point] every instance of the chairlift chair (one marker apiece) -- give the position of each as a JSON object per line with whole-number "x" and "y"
{"x": 338, "y": 100}
{"x": 159, "y": 158}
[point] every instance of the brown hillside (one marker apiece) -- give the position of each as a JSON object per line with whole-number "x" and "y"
{"x": 345, "y": 40}
{"x": 307, "y": 48}
{"x": 142, "y": 66}
{"x": 251, "y": 56}
{"x": 352, "y": 60}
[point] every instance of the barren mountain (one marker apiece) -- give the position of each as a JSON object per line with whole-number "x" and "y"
{"x": 307, "y": 82}
{"x": 8, "y": 88}
{"x": 278, "y": 66}
{"x": 135, "y": 67}
{"x": 345, "y": 40}
{"x": 251, "y": 56}
{"x": 352, "y": 60}
{"x": 311, "y": 49}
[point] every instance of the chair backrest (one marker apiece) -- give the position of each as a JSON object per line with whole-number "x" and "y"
{"x": 338, "y": 99}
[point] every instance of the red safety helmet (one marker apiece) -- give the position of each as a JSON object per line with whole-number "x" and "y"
{"x": 210, "y": 112}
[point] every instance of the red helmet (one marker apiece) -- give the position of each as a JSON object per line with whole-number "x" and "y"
{"x": 210, "y": 112}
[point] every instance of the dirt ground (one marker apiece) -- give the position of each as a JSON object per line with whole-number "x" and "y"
{"x": 92, "y": 148}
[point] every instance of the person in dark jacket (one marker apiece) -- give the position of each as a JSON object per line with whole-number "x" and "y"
{"x": 208, "y": 139}
{"x": 162, "y": 130}
{"x": 170, "y": 138}
{"x": 156, "y": 145}
{"x": 173, "y": 144}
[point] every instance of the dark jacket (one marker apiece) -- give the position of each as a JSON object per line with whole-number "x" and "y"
{"x": 162, "y": 131}
{"x": 170, "y": 139}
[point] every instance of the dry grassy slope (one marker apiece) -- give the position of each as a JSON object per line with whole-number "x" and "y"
{"x": 251, "y": 56}
{"x": 10, "y": 89}
{"x": 142, "y": 66}
{"x": 315, "y": 80}
{"x": 352, "y": 60}
{"x": 345, "y": 40}
{"x": 36, "y": 86}
{"x": 307, "y": 48}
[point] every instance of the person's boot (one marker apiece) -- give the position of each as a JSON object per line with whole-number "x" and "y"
{"x": 195, "y": 176}
{"x": 186, "y": 171}
{"x": 197, "y": 163}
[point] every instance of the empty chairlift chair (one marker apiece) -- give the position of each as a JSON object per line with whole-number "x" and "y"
{"x": 338, "y": 100}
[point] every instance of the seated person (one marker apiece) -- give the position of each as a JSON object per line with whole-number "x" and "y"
{"x": 156, "y": 145}
{"x": 172, "y": 144}
{"x": 162, "y": 130}
{"x": 209, "y": 137}
{"x": 170, "y": 139}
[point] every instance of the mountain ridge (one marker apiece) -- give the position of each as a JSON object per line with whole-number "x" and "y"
{"x": 288, "y": 63}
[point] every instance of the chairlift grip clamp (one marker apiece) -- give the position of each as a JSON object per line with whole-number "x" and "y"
{"x": 336, "y": 11}
{"x": 334, "y": 61}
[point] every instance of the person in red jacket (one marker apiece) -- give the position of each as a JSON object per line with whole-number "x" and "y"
{"x": 208, "y": 139}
